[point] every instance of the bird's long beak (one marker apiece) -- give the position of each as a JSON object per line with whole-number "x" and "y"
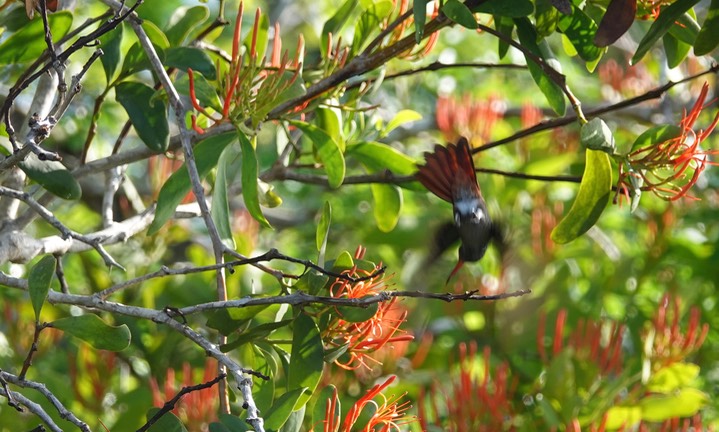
{"x": 456, "y": 268}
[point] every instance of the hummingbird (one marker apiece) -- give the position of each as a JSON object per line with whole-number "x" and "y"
{"x": 449, "y": 173}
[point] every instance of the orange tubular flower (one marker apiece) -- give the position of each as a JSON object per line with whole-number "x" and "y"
{"x": 671, "y": 344}
{"x": 670, "y": 168}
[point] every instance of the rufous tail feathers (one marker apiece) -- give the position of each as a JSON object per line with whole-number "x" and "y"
{"x": 446, "y": 167}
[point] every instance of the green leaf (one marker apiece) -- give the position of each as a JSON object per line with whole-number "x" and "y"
{"x": 675, "y": 49}
{"x": 28, "y": 43}
{"x": 623, "y": 417}
{"x": 580, "y": 30}
{"x": 167, "y": 423}
{"x": 402, "y": 117}
{"x": 419, "y": 9}
{"x": 661, "y": 25}
{"x": 183, "y": 58}
{"x": 227, "y": 166}
{"x": 249, "y": 179}
{"x": 266, "y": 104}
{"x": 294, "y": 422}
{"x": 560, "y": 381}
{"x": 344, "y": 261}
{"x": 368, "y": 23}
{"x": 148, "y": 117}
{"x": 204, "y": 91}
{"x": 686, "y": 28}
{"x": 227, "y": 321}
{"x": 233, "y": 423}
{"x": 591, "y": 199}
{"x": 307, "y": 358}
{"x": 506, "y": 8}
{"x": 207, "y": 152}
{"x": 281, "y": 409}
{"x": 387, "y": 205}
{"x": 708, "y": 37}
{"x": 330, "y": 121}
{"x": 550, "y": 89}
{"x": 459, "y": 13}
{"x": 323, "y": 232}
{"x": 38, "y": 282}
{"x": 321, "y": 404}
{"x": 261, "y": 331}
{"x": 135, "y": 58}
{"x": 596, "y": 135}
{"x": 53, "y": 176}
{"x": 335, "y": 24}
{"x": 110, "y": 43}
{"x": 357, "y": 314}
{"x": 546, "y": 17}
{"x": 378, "y": 156}
{"x": 673, "y": 377}
{"x": 505, "y": 26}
{"x": 656, "y": 135}
{"x": 93, "y": 330}
{"x": 683, "y": 403}
{"x": 190, "y": 18}
{"x": 328, "y": 152}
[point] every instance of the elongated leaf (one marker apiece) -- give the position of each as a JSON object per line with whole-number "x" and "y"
{"x": 93, "y": 330}
{"x": 673, "y": 377}
{"x": 53, "y": 176}
{"x": 307, "y": 358}
{"x": 615, "y": 22}
{"x": 227, "y": 321}
{"x": 387, "y": 205}
{"x": 227, "y": 167}
{"x": 459, "y": 13}
{"x": 686, "y": 28}
{"x": 655, "y": 135}
{"x": 328, "y": 152}
{"x": 506, "y": 8}
{"x": 592, "y": 198}
{"x": 675, "y": 49}
{"x": 581, "y": 30}
{"x": 281, "y": 409}
{"x": 419, "y": 9}
{"x": 255, "y": 333}
{"x": 38, "y": 282}
{"x": 135, "y": 58}
{"x": 684, "y": 403}
{"x": 708, "y": 37}
{"x": 111, "y": 56}
{"x": 295, "y": 420}
{"x": 148, "y": 116}
{"x": 167, "y": 423}
{"x": 29, "y": 42}
{"x": 207, "y": 152}
{"x": 667, "y": 18}
{"x": 368, "y": 23}
{"x": 550, "y": 89}
{"x": 378, "y": 156}
{"x": 250, "y": 192}
{"x": 321, "y": 404}
{"x": 323, "y": 232}
{"x": 505, "y": 26}
{"x": 330, "y": 121}
{"x": 623, "y": 416}
{"x": 193, "y": 58}
{"x": 402, "y": 117}
{"x": 336, "y": 22}
{"x": 190, "y": 18}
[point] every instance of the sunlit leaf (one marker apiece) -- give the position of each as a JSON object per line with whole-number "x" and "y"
{"x": 667, "y": 18}
{"x": 281, "y": 409}
{"x": 419, "y": 10}
{"x": 112, "y": 55}
{"x": 323, "y": 231}
{"x": 673, "y": 377}
{"x": 682, "y": 403}
{"x": 135, "y": 58}
{"x": 459, "y": 13}
{"x": 655, "y": 135}
{"x": 189, "y": 18}
{"x": 402, "y": 117}
{"x": 675, "y": 49}
{"x": 28, "y": 43}
{"x": 53, "y": 176}
{"x": 207, "y": 152}
{"x": 708, "y": 37}
{"x": 196, "y": 59}
{"x": 38, "y": 282}
{"x": 330, "y": 121}
{"x": 335, "y": 24}
{"x": 255, "y": 333}
{"x": 686, "y": 28}
{"x": 591, "y": 199}
{"x": 96, "y": 332}
{"x": 307, "y": 358}
{"x": 387, "y": 205}
{"x": 505, "y": 26}
{"x": 249, "y": 180}
{"x": 623, "y": 416}
{"x": 328, "y": 152}
{"x": 227, "y": 166}
{"x": 580, "y": 29}
{"x": 378, "y": 156}
{"x": 148, "y": 115}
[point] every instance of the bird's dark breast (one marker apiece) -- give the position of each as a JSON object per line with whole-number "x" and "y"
{"x": 475, "y": 238}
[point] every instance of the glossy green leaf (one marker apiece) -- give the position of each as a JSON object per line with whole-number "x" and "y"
{"x": 204, "y": 91}
{"x": 580, "y": 30}
{"x": 190, "y": 19}
{"x": 552, "y": 92}
{"x": 596, "y": 135}
{"x": 227, "y": 166}
{"x": 387, "y": 205}
{"x": 661, "y": 25}
{"x": 135, "y": 58}
{"x": 686, "y": 28}
{"x": 708, "y": 37}
{"x": 96, "y": 332}
{"x": 328, "y": 152}
{"x": 307, "y": 358}
{"x": 368, "y": 23}
{"x": 148, "y": 115}
{"x": 323, "y": 232}
{"x": 53, "y": 176}
{"x": 295, "y": 421}
{"x": 167, "y": 423}
{"x": 656, "y": 135}
{"x": 683, "y": 403}
{"x": 676, "y": 50}
{"x": 344, "y": 261}
{"x": 505, "y": 26}
{"x": 219, "y": 427}
{"x": 28, "y": 43}
{"x": 38, "y": 282}
{"x": 233, "y": 423}
{"x": 459, "y": 13}
{"x": 378, "y": 156}
{"x": 546, "y": 17}
{"x": 206, "y": 152}
{"x": 259, "y": 332}
{"x": 249, "y": 179}
{"x": 419, "y": 10}
{"x": 592, "y": 198}
{"x": 227, "y": 321}
{"x": 330, "y": 121}
{"x": 357, "y": 314}
{"x": 673, "y": 377}
{"x": 111, "y": 57}
{"x": 196, "y": 59}
{"x": 321, "y": 406}
{"x": 335, "y": 24}
{"x": 506, "y": 8}
{"x": 281, "y": 409}
{"x": 402, "y": 117}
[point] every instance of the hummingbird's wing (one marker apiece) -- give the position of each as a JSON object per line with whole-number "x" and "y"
{"x": 448, "y": 170}
{"x": 446, "y": 235}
